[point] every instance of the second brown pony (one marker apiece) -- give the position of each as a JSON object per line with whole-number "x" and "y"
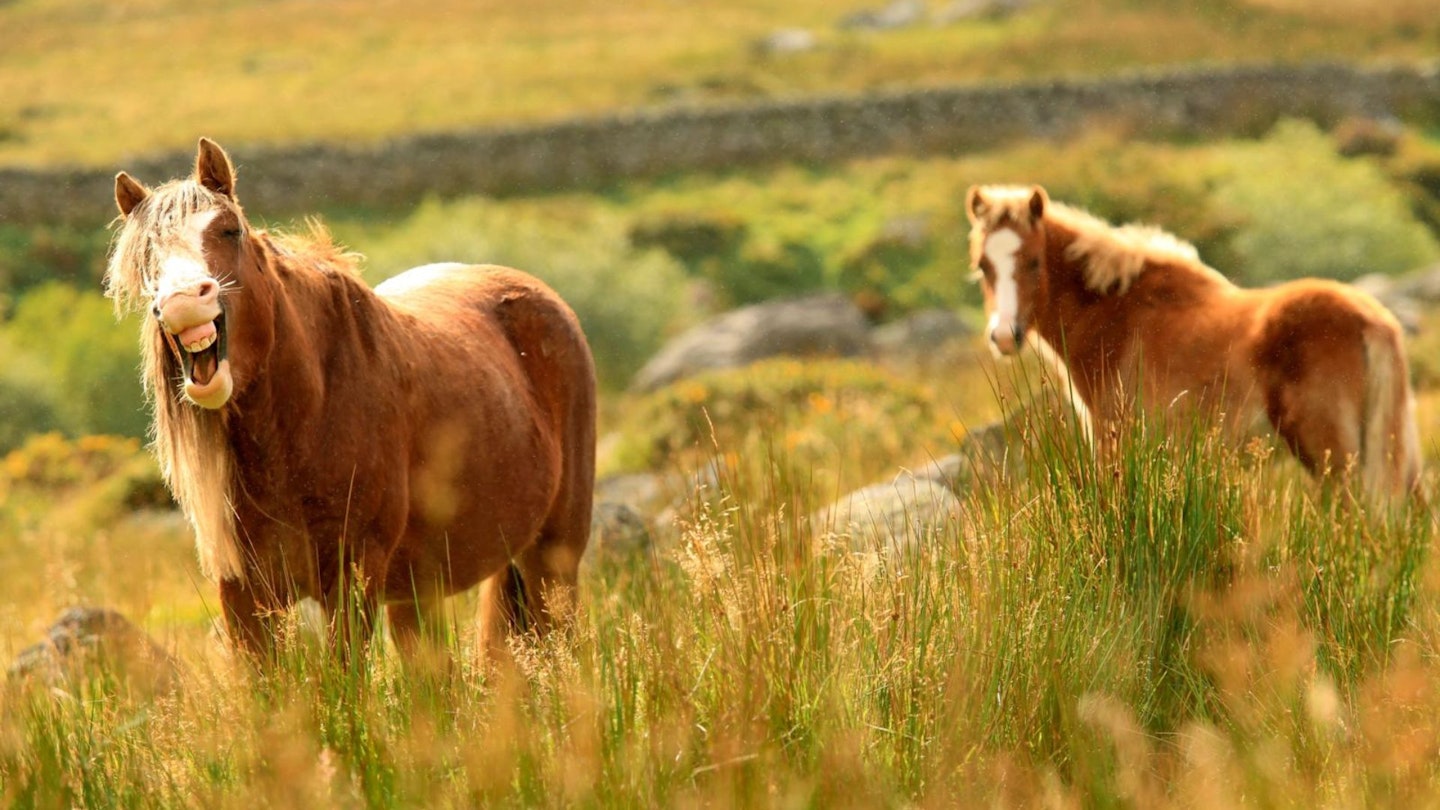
{"x": 328, "y": 440}
{"x": 1131, "y": 313}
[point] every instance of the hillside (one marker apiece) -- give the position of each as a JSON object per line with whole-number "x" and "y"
{"x": 90, "y": 82}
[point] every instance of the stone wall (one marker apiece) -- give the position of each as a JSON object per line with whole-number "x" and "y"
{"x": 580, "y": 153}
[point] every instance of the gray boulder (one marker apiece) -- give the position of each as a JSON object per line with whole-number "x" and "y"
{"x": 784, "y": 42}
{"x": 963, "y": 10}
{"x": 84, "y": 638}
{"x": 823, "y": 325}
{"x": 890, "y": 518}
{"x": 919, "y": 336}
{"x": 618, "y": 534}
{"x": 899, "y": 14}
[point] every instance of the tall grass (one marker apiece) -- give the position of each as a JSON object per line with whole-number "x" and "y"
{"x": 1176, "y": 621}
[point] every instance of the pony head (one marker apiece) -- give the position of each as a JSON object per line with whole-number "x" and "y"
{"x": 1007, "y": 249}
{"x": 183, "y": 252}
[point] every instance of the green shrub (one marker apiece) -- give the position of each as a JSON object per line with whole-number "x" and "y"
{"x": 1306, "y": 211}
{"x": 691, "y": 238}
{"x": 92, "y": 362}
{"x": 27, "y": 398}
{"x": 33, "y": 256}
{"x": 721, "y": 249}
{"x": 627, "y": 300}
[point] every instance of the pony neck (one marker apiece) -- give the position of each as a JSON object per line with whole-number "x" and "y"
{"x": 1064, "y": 291}
{"x": 315, "y": 308}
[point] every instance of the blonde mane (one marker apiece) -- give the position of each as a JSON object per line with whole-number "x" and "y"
{"x": 317, "y": 248}
{"x": 189, "y": 442}
{"x": 1113, "y": 256}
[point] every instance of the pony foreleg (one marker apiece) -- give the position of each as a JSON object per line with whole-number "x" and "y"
{"x": 249, "y": 625}
{"x": 351, "y": 608}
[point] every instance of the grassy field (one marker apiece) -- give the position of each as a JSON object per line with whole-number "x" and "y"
{"x": 90, "y": 82}
{"x": 1190, "y": 626}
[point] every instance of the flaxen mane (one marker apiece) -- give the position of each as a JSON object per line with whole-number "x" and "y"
{"x": 1114, "y": 256}
{"x": 189, "y": 442}
{"x": 317, "y": 249}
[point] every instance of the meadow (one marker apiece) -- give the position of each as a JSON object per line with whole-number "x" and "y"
{"x": 1190, "y": 625}
{"x": 1184, "y": 625}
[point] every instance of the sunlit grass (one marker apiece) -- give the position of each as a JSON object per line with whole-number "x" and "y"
{"x": 1181, "y": 622}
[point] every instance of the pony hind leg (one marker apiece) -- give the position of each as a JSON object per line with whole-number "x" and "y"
{"x": 418, "y": 628}
{"x": 550, "y": 574}
{"x": 502, "y": 612}
{"x": 531, "y": 594}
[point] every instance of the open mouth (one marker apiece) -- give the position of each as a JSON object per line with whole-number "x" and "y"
{"x": 202, "y": 350}
{"x": 204, "y": 361}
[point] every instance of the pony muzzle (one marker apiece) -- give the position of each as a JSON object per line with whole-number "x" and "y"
{"x": 1006, "y": 339}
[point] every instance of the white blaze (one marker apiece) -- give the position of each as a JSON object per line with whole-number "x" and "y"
{"x": 182, "y": 266}
{"x": 1000, "y": 248}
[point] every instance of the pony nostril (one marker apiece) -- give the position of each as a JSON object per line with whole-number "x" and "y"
{"x": 207, "y": 289}
{"x": 1018, "y": 332}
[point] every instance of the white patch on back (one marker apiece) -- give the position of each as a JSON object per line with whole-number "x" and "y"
{"x": 1000, "y": 248}
{"x": 416, "y": 278}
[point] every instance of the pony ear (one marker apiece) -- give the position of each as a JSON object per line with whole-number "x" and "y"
{"x": 128, "y": 193}
{"x": 1039, "y": 201}
{"x": 975, "y": 204}
{"x": 213, "y": 169}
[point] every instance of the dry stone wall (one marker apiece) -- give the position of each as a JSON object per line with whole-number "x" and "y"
{"x": 583, "y": 153}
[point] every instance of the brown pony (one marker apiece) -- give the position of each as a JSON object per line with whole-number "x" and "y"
{"x": 1131, "y": 315}
{"x": 326, "y": 439}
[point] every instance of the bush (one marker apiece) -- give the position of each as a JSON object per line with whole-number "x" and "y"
{"x": 93, "y": 363}
{"x": 33, "y": 256}
{"x": 27, "y": 400}
{"x": 110, "y": 473}
{"x": 1306, "y": 211}
{"x": 627, "y": 300}
{"x": 741, "y": 268}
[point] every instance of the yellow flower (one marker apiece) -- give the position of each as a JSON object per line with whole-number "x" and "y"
{"x": 821, "y": 404}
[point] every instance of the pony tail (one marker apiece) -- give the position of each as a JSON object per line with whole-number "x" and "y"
{"x": 1390, "y": 453}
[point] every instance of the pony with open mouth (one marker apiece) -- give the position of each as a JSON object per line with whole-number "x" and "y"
{"x": 329, "y": 440}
